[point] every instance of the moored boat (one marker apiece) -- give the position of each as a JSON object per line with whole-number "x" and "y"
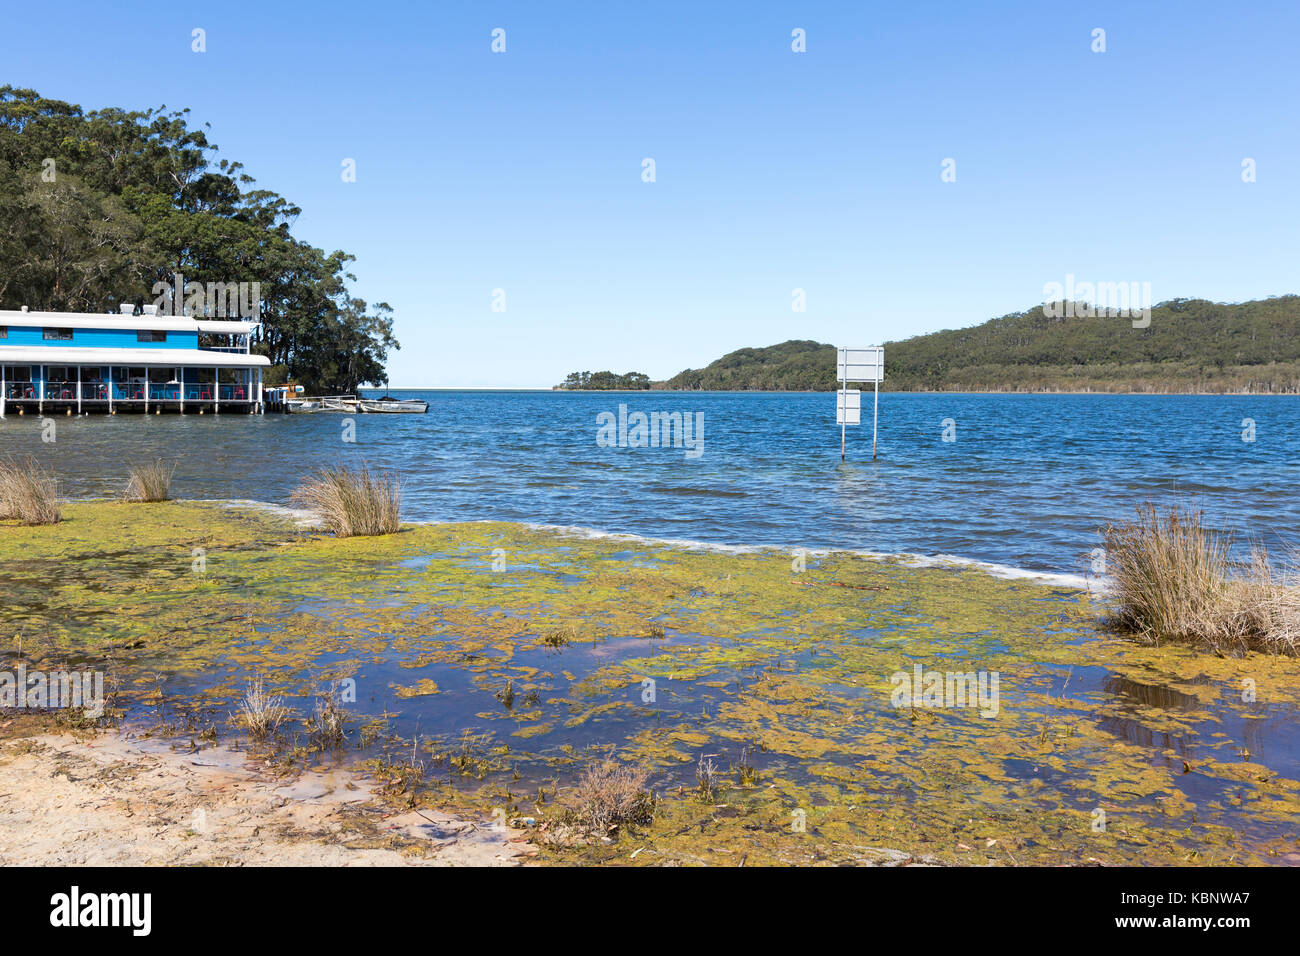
{"x": 390, "y": 405}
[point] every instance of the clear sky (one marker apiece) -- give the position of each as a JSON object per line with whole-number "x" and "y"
{"x": 774, "y": 170}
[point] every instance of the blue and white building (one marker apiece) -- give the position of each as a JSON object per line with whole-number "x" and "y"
{"x": 66, "y": 361}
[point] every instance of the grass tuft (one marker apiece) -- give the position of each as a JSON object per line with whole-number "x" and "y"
{"x": 610, "y": 794}
{"x": 150, "y": 482}
{"x": 262, "y": 712}
{"x": 28, "y": 493}
{"x": 351, "y": 502}
{"x": 1173, "y": 581}
{"x": 328, "y": 725}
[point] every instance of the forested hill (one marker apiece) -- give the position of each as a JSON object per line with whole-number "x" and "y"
{"x": 1191, "y": 345}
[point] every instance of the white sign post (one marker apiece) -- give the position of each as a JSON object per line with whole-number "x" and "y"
{"x": 858, "y": 365}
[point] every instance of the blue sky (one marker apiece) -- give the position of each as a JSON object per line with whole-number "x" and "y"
{"x": 775, "y": 170}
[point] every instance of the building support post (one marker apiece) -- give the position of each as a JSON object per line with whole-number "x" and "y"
{"x": 40, "y": 394}
{"x": 216, "y": 391}
{"x": 110, "y": 390}
{"x": 78, "y": 389}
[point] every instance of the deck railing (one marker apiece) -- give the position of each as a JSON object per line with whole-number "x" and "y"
{"x": 160, "y": 392}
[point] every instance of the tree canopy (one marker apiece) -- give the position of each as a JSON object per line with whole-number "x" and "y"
{"x": 96, "y": 207}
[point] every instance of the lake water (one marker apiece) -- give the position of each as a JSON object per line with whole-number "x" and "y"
{"x": 1026, "y": 481}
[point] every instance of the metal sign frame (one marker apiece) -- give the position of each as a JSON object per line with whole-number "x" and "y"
{"x": 848, "y": 407}
{"x": 859, "y": 365}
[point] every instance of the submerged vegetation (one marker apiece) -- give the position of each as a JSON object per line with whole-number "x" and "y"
{"x": 757, "y": 726}
{"x": 1173, "y": 581}
{"x": 151, "y": 481}
{"x": 349, "y": 502}
{"x": 28, "y": 493}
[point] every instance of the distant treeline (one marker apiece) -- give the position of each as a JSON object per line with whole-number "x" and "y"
{"x": 794, "y": 366}
{"x": 1191, "y": 345}
{"x": 605, "y": 380}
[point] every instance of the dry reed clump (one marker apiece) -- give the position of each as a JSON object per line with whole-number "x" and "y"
{"x": 328, "y": 724}
{"x": 262, "y": 712}
{"x": 1173, "y": 581}
{"x": 28, "y": 493}
{"x": 706, "y": 777}
{"x": 150, "y": 482}
{"x": 609, "y": 794}
{"x": 351, "y": 502}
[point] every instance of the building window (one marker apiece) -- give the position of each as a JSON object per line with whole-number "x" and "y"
{"x": 4, "y": 331}
{"x": 150, "y": 336}
{"x": 57, "y": 335}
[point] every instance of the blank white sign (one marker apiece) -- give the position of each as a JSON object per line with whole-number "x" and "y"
{"x": 862, "y": 365}
{"x": 848, "y": 407}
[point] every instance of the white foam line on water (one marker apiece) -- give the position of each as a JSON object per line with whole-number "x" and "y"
{"x": 1078, "y": 582}
{"x": 301, "y": 515}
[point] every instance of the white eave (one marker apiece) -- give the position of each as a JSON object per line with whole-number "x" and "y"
{"x": 150, "y": 323}
{"x": 72, "y": 355}
{"x": 225, "y": 326}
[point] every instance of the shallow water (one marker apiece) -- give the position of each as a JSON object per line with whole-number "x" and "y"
{"x": 503, "y": 682}
{"x": 1026, "y": 483}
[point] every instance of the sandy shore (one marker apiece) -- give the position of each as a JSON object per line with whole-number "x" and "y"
{"x": 121, "y": 800}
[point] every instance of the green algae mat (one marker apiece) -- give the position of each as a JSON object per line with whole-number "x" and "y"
{"x": 833, "y": 708}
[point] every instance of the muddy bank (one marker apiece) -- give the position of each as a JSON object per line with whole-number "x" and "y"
{"x": 116, "y": 800}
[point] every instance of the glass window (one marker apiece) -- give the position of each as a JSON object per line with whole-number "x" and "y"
{"x": 57, "y": 335}
{"x": 150, "y": 335}
{"x": 18, "y": 373}
{"x": 4, "y": 331}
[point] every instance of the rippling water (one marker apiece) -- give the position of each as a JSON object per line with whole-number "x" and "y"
{"x": 1027, "y": 481}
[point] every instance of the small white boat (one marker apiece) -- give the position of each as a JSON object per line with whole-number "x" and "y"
{"x": 303, "y": 405}
{"x": 390, "y": 405}
{"x": 339, "y": 403}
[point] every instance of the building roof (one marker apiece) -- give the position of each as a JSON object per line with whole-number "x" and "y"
{"x": 73, "y": 355}
{"x": 94, "y": 320}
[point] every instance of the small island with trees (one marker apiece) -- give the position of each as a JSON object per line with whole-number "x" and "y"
{"x": 605, "y": 381}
